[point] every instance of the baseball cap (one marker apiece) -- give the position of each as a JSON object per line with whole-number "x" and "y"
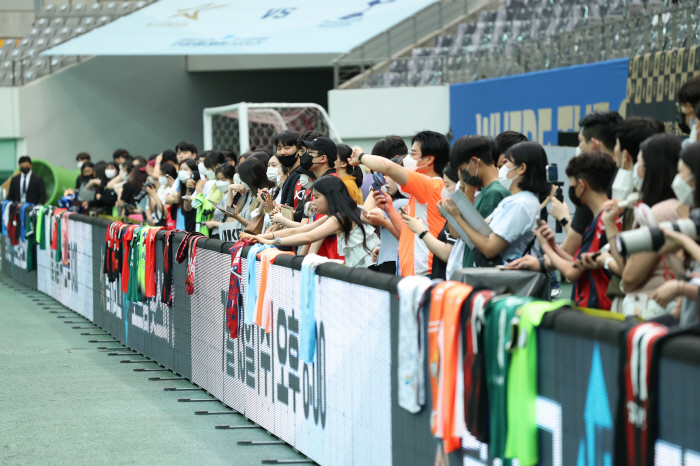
{"x": 324, "y": 145}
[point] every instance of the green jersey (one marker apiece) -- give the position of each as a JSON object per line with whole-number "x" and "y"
{"x": 486, "y": 203}
{"x": 133, "y": 290}
{"x": 500, "y": 313}
{"x": 522, "y": 440}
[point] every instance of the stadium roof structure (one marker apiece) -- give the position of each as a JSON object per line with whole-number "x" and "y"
{"x": 324, "y": 28}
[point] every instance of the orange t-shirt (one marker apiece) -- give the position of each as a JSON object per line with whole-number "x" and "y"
{"x": 414, "y": 256}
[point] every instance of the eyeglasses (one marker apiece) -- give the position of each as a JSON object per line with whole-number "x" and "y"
{"x": 681, "y": 107}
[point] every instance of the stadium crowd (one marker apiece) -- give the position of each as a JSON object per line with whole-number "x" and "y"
{"x": 388, "y": 209}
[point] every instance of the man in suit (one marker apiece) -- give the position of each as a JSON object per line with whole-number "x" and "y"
{"x": 27, "y": 187}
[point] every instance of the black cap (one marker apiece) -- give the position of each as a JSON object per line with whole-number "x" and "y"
{"x": 324, "y": 145}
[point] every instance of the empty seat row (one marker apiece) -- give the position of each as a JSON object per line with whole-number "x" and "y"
{"x": 94, "y": 9}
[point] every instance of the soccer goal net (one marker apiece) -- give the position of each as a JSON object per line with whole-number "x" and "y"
{"x": 247, "y": 126}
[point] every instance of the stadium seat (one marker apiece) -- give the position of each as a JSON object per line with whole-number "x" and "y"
{"x": 50, "y": 10}
{"x": 41, "y": 22}
{"x": 88, "y": 22}
{"x": 72, "y": 22}
{"x": 103, "y": 20}
{"x": 95, "y": 9}
{"x": 110, "y": 9}
{"x": 57, "y": 23}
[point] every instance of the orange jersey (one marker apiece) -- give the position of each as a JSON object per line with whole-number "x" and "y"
{"x": 263, "y": 305}
{"x": 414, "y": 256}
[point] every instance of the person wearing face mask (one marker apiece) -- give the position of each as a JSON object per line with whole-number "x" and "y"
{"x": 513, "y": 220}
{"x": 644, "y": 273}
{"x": 589, "y": 175}
{"x": 445, "y": 244}
{"x": 80, "y": 160}
{"x": 273, "y": 174}
{"x": 505, "y": 141}
{"x": 224, "y": 177}
{"x": 420, "y": 178}
{"x": 188, "y": 175}
{"x": 598, "y": 132}
{"x": 474, "y": 156}
{"x": 287, "y": 144}
{"x": 319, "y": 159}
{"x": 688, "y": 99}
{"x": 105, "y": 198}
{"x": 27, "y": 186}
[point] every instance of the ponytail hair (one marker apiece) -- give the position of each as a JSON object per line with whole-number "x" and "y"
{"x": 344, "y": 154}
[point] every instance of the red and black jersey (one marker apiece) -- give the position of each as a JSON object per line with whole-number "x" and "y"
{"x": 166, "y": 296}
{"x": 476, "y": 405}
{"x": 127, "y": 236}
{"x": 636, "y": 429}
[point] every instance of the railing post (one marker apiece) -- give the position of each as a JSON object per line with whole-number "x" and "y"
{"x": 336, "y": 74}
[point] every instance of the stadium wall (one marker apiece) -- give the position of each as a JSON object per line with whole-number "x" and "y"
{"x": 143, "y": 104}
{"x": 343, "y": 409}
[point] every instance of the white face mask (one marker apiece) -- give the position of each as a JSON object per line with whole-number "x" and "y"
{"x": 622, "y": 186}
{"x": 272, "y": 173}
{"x": 163, "y": 181}
{"x": 409, "y": 163}
{"x": 446, "y": 194}
{"x": 683, "y": 191}
{"x": 222, "y": 185}
{"x": 184, "y": 175}
{"x": 201, "y": 168}
{"x": 503, "y": 176}
{"x": 210, "y": 175}
{"x": 110, "y": 173}
{"x": 578, "y": 152}
{"x": 636, "y": 180}
{"x": 80, "y": 165}
{"x": 279, "y": 181}
{"x": 306, "y": 182}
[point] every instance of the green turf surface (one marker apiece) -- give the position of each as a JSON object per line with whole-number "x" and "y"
{"x": 62, "y": 401}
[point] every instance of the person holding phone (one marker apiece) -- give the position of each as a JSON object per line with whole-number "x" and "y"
{"x": 188, "y": 177}
{"x": 351, "y": 176}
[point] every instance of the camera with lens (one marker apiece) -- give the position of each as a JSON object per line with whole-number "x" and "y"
{"x": 651, "y": 239}
{"x": 139, "y": 197}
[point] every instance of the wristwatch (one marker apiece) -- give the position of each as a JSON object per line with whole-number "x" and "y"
{"x": 359, "y": 159}
{"x": 278, "y": 241}
{"x": 423, "y": 234}
{"x": 564, "y": 221}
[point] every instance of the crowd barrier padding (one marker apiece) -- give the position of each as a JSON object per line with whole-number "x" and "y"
{"x": 343, "y": 409}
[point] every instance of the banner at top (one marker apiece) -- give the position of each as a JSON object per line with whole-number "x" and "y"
{"x": 242, "y": 27}
{"x": 541, "y": 104}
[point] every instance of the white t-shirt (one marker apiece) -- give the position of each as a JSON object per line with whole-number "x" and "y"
{"x": 513, "y": 220}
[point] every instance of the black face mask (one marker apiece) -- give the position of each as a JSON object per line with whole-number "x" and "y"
{"x": 306, "y": 161}
{"x": 680, "y": 119}
{"x": 25, "y": 170}
{"x": 471, "y": 180}
{"x": 287, "y": 160}
{"x": 572, "y": 196}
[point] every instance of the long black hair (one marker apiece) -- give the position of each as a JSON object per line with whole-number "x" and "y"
{"x": 534, "y": 157}
{"x": 341, "y": 205}
{"x": 344, "y": 154}
{"x": 253, "y": 173}
{"x": 660, "y": 154}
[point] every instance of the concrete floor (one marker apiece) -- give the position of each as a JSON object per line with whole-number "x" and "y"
{"x": 62, "y": 401}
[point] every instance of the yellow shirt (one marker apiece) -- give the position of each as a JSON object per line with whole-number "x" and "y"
{"x": 355, "y": 193}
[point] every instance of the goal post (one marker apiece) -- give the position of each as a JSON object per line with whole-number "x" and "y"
{"x": 245, "y": 126}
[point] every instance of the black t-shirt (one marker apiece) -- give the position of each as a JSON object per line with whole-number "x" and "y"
{"x": 439, "y": 265}
{"x": 288, "y": 187}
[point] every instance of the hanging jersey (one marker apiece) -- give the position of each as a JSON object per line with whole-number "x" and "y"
{"x": 476, "y": 408}
{"x": 522, "y": 442}
{"x": 150, "y": 269}
{"x": 499, "y": 314}
{"x": 590, "y": 290}
{"x": 435, "y": 353}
